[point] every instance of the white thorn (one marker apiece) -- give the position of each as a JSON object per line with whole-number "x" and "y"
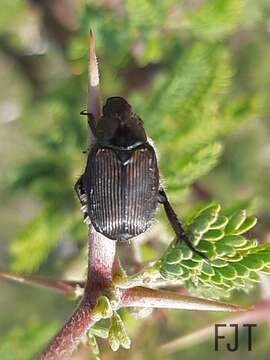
{"x": 93, "y": 80}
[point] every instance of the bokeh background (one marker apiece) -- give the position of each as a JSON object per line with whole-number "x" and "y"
{"x": 197, "y": 71}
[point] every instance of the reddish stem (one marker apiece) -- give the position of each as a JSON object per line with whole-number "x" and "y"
{"x": 67, "y": 339}
{"x": 102, "y": 263}
{"x": 101, "y": 267}
{"x": 62, "y": 286}
{"x": 150, "y": 298}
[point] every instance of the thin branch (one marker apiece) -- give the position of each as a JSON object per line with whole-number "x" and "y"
{"x": 68, "y": 338}
{"x": 58, "y": 19}
{"x": 149, "y": 298}
{"x": 260, "y": 313}
{"x": 63, "y": 286}
{"x": 101, "y": 267}
{"x": 29, "y": 65}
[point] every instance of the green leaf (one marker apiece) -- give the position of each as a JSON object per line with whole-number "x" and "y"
{"x": 213, "y": 235}
{"x": 216, "y": 18}
{"x": 199, "y": 163}
{"x": 208, "y": 270}
{"x": 94, "y": 345}
{"x": 174, "y": 256}
{"x": 248, "y": 224}
{"x": 223, "y": 249}
{"x": 174, "y": 269}
{"x": 190, "y": 264}
{"x": 100, "y": 329}
{"x": 253, "y": 276}
{"x": 264, "y": 256}
{"x": 117, "y": 334}
{"x": 233, "y": 240}
{"x": 220, "y": 222}
{"x": 217, "y": 278}
{"x": 37, "y": 239}
{"x": 265, "y": 270}
{"x": 235, "y": 221}
{"x": 202, "y": 222}
{"x": 26, "y": 342}
{"x": 186, "y": 274}
{"x": 205, "y": 277}
{"x": 186, "y": 252}
{"x": 218, "y": 263}
{"x": 240, "y": 269}
{"x": 235, "y": 258}
{"x": 205, "y": 246}
{"x": 250, "y": 244}
{"x": 227, "y": 272}
{"x": 252, "y": 262}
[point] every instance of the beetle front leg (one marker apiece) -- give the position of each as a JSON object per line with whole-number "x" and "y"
{"x": 175, "y": 223}
{"x": 83, "y": 199}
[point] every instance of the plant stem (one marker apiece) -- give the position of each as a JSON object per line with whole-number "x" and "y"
{"x": 101, "y": 267}
{"x": 259, "y": 314}
{"x": 63, "y": 286}
{"x": 102, "y": 263}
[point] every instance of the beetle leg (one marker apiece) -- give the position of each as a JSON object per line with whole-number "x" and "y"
{"x": 176, "y": 224}
{"x": 83, "y": 199}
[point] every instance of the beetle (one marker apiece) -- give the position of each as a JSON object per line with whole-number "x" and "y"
{"x": 120, "y": 188}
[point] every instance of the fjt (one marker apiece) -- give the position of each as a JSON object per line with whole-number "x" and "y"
{"x": 233, "y": 346}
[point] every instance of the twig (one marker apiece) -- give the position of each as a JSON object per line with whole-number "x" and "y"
{"x": 101, "y": 266}
{"x": 63, "y": 286}
{"x": 260, "y": 313}
{"x": 28, "y": 64}
{"x": 58, "y": 19}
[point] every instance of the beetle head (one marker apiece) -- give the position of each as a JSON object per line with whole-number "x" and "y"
{"x": 119, "y": 127}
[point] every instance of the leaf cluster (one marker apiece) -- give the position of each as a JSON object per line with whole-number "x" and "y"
{"x": 234, "y": 260}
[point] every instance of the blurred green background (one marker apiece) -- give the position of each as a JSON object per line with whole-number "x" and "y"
{"x": 197, "y": 72}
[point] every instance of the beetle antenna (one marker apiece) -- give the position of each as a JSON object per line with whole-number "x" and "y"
{"x": 93, "y": 80}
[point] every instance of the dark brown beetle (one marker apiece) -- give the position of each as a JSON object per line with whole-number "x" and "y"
{"x": 120, "y": 188}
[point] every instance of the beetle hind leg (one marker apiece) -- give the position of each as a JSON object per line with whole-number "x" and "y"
{"x": 176, "y": 224}
{"x": 83, "y": 199}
